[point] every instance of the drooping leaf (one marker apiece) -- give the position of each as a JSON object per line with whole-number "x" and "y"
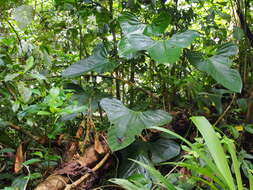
{"x": 126, "y": 123}
{"x": 167, "y": 149}
{"x": 219, "y": 70}
{"x": 164, "y": 52}
{"x": 97, "y": 62}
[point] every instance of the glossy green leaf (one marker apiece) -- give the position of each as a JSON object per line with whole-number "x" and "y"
{"x": 31, "y": 161}
{"x": 97, "y": 62}
{"x": 129, "y": 23}
{"x": 140, "y": 42}
{"x": 219, "y": 70}
{"x": 164, "y": 52}
{"x": 227, "y": 49}
{"x": 136, "y": 151}
{"x": 158, "y": 25}
{"x": 184, "y": 39}
{"x": 215, "y": 148}
{"x": 126, "y": 123}
{"x": 167, "y": 149}
{"x": 125, "y": 49}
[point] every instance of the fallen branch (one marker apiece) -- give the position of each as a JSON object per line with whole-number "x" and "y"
{"x": 40, "y": 140}
{"x": 80, "y": 180}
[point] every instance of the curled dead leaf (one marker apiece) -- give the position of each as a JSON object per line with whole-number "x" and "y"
{"x": 19, "y": 159}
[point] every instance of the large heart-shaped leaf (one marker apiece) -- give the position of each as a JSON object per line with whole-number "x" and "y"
{"x": 164, "y": 52}
{"x": 167, "y": 149}
{"x": 227, "y": 49}
{"x": 137, "y": 151}
{"x": 126, "y": 123}
{"x": 158, "y": 25}
{"x": 97, "y": 62}
{"x": 219, "y": 70}
{"x": 129, "y": 23}
{"x": 183, "y": 39}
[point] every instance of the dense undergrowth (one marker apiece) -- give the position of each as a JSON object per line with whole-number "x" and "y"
{"x": 132, "y": 94}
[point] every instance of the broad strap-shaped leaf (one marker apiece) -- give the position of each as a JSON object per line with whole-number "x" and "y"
{"x": 126, "y": 123}
{"x": 215, "y": 148}
{"x": 219, "y": 70}
{"x": 164, "y": 52}
{"x": 97, "y": 62}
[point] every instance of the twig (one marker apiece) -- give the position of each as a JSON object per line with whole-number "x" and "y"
{"x": 225, "y": 111}
{"x": 17, "y": 35}
{"x": 28, "y": 133}
{"x": 80, "y": 180}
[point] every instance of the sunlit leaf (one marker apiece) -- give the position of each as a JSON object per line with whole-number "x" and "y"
{"x": 23, "y": 15}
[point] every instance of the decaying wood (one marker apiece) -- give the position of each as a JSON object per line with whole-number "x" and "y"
{"x": 78, "y": 166}
{"x": 53, "y": 182}
{"x": 79, "y": 181}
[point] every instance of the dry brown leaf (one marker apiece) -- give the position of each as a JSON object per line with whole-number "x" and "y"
{"x": 79, "y": 131}
{"x": 53, "y": 182}
{"x": 19, "y": 159}
{"x": 89, "y": 157}
{"x": 98, "y": 145}
{"x": 60, "y": 139}
{"x": 71, "y": 151}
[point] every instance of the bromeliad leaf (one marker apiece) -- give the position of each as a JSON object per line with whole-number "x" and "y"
{"x": 126, "y": 123}
{"x": 97, "y": 62}
{"x": 218, "y": 69}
